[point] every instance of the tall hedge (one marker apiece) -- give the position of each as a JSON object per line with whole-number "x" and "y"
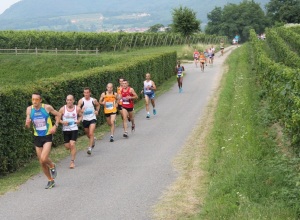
{"x": 16, "y": 146}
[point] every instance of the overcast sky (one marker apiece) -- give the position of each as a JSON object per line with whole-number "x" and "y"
{"x": 5, "y": 4}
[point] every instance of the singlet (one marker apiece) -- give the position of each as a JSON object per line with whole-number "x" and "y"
{"x": 179, "y": 71}
{"x": 41, "y": 121}
{"x": 222, "y": 45}
{"x": 119, "y": 93}
{"x": 110, "y": 103}
{"x": 202, "y": 58}
{"x": 89, "y": 109}
{"x": 126, "y": 103}
{"x": 146, "y": 85}
{"x": 196, "y": 55}
{"x": 71, "y": 118}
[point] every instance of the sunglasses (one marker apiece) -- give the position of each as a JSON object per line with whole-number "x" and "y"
{"x": 35, "y": 99}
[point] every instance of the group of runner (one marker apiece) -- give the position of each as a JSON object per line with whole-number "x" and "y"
{"x": 204, "y": 57}
{"x": 86, "y": 111}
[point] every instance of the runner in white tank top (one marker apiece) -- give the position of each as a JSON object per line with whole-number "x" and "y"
{"x": 71, "y": 117}
{"x": 90, "y": 109}
{"x": 149, "y": 88}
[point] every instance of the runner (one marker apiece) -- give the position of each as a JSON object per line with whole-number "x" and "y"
{"x": 149, "y": 88}
{"x": 38, "y": 115}
{"x": 209, "y": 55}
{"x": 90, "y": 109}
{"x": 71, "y": 117}
{"x": 222, "y": 47}
{"x": 206, "y": 54}
{"x": 179, "y": 71}
{"x": 128, "y": 95}
{"x": 119, "y": 93}
{"x": 237, "y": 39}
{"x": 202, "y": 61}
{"x": 212, "y": 54}
{"x": 196, "y": 57}
{"x": 109, "y": 100}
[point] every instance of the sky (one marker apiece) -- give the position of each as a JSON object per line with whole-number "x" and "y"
{"x": 5, "y": 4}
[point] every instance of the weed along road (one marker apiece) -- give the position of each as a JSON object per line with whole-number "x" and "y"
{"x": 123, "y": 179}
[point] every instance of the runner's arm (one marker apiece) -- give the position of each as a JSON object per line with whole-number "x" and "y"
{"x": 79, "y": 115}
{"x": 97, "y": 106}
{"x": 153, "y": 86}
{"x": 28, "y": 120}
{"x": 57, "y": 115}
{"x": 134, "y": 95}
{"x": 79, "y": 105}
{"x": 61, "y": 111}
{"x": 101, "y": 99}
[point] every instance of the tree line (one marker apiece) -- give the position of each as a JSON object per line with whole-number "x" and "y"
{"x": 234, "y": 19}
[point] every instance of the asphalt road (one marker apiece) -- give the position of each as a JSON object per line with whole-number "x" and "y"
{"x": 123, "y": 179}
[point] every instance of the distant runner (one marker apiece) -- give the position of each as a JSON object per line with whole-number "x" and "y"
{"x": 202, "y": 61}
{"x": 109, "y": 100}
{"x": 119, "y": 93}
{"x": 149, "y": 88}
{"x": 179, "y": 69}
{"x": 39, "y": 115}
{"x": 196, "y": 57}
{"x": 128, "y": 95}
{"x": 222, "y": 47}
{"x": 71, "y": 117}
{"x": 90, "y": 109}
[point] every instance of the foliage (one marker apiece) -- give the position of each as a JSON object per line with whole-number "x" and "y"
{"x": 281, "y": 84}
{"x": 16, "y": 142}
{"x": 155, "y": 28}
{"x": 185, "y": 21}
{"x": 286, "y": 11}
{"x": 91, "y": 41}
{"x": 236, "y": 19}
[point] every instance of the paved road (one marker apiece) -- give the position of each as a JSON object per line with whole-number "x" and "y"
{"x": 123, "y": 179}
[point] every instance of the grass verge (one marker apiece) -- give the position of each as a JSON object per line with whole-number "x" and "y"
{"x": 231, "y": 167}
{"x": 14, "y": 180}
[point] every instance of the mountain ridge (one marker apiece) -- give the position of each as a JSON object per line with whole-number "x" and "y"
{"x": 115, "y": 14}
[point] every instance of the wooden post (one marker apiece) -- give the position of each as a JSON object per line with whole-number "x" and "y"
{"x": 16, "y": 50}
{"x": 55, "y": 51}
{"x": 36, "y": 51}
{"x": 97, "y": 51}
{"x": 76, "y": 51}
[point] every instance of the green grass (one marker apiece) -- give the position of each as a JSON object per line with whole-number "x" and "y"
{"x": 12, "y": 181}
{"x": 23, "y": 69}
{"x": 248, "y": 176}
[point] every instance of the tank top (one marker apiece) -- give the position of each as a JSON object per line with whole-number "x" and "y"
{"x": 179, "y": 71}
{"x": 126, "y": 103}
{"x": 89, "y": 109}
{"x": 71, "y": 118}
{"x": 146, "y": 85}
{"x": 41, "y": 121}
{"x": 110, "y": 103}
{"x": 196, "y": 54}
{"x": 202, "y": 58}
{"x": 119, "y": 93}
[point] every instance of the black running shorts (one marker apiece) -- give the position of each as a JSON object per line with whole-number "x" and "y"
{"x": 39, "y": 141}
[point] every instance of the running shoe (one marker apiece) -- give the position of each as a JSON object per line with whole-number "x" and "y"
{"x": 154, "y": 111}
{"x": 50, "y": 184}
{"x": 72, "y": 164}
{"x": 133, "y": 127}
{"x": 111, "y": 139}
{"x": 89, "y": 151}
{"x": 148, "y": 115}
{"x": 53, "y": 171}
{"x": 125, "y": 134}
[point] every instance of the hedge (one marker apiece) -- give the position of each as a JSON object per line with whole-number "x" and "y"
{"x": 16, "y": 146}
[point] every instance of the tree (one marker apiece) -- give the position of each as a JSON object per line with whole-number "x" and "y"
{"x": 237, "y": 19}
{"x": 155, "y": 28}
{"x": 283, "y": 11}
{"x": 185, "y": 21}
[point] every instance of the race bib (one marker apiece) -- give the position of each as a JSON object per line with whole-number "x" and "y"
{"x": 125, "y": 101}
{"x": 70, "y": 121}
{"x": 88, "y": 111}
{"x": 109, "y": 105}
{"x": 40, "y": 124}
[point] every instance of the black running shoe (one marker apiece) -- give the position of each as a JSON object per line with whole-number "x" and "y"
{"x": 50, "y": 184}
{"x": 125, "y": 134}
{"x": 53, "y": 172}
{"x": 111, "y": 139}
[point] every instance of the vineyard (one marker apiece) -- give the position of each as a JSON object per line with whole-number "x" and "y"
{"x": 277, "y": 61}
{"x": 100, "y": 41}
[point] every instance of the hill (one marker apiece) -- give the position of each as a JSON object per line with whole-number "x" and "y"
{"x": 93, "y": 15}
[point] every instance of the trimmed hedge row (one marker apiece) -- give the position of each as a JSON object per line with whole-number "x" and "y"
{"x": 282, "y": 89}
{"x": 91, "y": 41}
{"x": 16, "y": 146}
